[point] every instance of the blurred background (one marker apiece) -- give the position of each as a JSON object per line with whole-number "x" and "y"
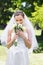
{"x": 34, "y": 11}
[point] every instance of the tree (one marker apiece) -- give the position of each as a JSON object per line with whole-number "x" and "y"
{"x": 37, "y": 16}
{"x": 8, "y": 7}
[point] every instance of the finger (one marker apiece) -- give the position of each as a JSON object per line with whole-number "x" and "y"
{"x": 16, "y": 33}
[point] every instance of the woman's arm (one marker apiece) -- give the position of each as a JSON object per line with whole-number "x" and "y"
{"x": 9, "y": 44}
{"x": 9, "y": 40}
{"x": 28, "y": 42}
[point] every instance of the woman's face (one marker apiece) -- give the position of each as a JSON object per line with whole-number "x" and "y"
{"x": 19, "y": 19}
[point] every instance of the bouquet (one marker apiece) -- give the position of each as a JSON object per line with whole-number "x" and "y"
{"x": 17, "y": 27}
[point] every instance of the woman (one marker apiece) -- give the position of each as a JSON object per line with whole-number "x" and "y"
{"x": 18, "y": 55}
{"x": 19, "y": 17}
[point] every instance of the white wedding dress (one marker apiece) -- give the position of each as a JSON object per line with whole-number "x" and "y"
{"x": 18, "y": 55}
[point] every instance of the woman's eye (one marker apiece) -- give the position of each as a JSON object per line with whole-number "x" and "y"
{"x": 16, "y": 20}
{"x": 20, "y": 19}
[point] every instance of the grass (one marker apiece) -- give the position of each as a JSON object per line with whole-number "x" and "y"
{"x": 2, "y": 55}
{"x": 38, "y": 32}
{"x": 35, "y": 59}
{"x": 1, "y": 31}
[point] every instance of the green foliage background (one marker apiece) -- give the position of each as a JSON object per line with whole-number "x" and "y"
{"x": 32, "y": 8}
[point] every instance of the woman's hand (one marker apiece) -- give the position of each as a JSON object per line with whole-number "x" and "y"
{"x": 20, "y": 33}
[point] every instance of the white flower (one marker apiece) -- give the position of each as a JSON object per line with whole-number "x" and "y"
{"x": 18, "y": 27}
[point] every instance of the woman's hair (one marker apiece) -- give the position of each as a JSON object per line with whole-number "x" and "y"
{"x": 19, "y": 12}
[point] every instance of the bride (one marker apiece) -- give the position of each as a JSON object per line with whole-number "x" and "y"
{"x": 18, "y": 55}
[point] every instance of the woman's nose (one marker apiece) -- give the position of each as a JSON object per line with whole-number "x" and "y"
{"x": 18, "y": 22}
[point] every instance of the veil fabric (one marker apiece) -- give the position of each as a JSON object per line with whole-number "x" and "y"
{"x": 27, "y": 24}
{"x": 5, "y": 32}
